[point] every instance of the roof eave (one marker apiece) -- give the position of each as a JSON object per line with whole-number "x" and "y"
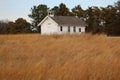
{"x": 42, "y": 20}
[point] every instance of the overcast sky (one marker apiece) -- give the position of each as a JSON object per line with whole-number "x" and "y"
{"x": 13, "y": 9}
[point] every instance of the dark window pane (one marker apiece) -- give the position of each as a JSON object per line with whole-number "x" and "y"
{"x": 68, "y": 28}
{"x": 74, "y": 29}
{"x": 61, "y": 28}
{"x": 79, "y": 29}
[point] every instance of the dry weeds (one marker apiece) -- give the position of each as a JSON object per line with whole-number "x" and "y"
{"x": 65, "y": 57}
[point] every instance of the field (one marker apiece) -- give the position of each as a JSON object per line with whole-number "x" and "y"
{"x": 55, "y": 57}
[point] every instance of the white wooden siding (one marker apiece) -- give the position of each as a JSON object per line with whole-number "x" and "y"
{"x": 49, "y": 27}
{"x": 65, "y": 30}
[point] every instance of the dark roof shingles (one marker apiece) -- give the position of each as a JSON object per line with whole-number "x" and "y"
{"x": 68, "y": 21}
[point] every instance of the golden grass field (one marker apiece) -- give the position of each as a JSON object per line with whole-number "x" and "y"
{"x": 55, "y": 57}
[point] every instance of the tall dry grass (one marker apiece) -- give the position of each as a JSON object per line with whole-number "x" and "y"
{"x": 65, "y": 57}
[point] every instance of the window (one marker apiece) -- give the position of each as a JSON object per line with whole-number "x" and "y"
{"x": 74, "y": 29}
{"x": 79, "y": 29}
{"x": 68, "y": 28}
{"x": 61, "y": 28}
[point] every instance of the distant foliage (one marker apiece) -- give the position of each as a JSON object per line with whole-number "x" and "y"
{"x": 3, "y": 27}
{"x": 37, "y": 14}
{"x": 62, "y": 10}
{"x": 19, "y": 26}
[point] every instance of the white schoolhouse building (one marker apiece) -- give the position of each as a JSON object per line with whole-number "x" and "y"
{"x": 61, "y": 25}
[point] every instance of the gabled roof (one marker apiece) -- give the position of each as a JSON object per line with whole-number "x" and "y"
{"x": 68, "y": 21}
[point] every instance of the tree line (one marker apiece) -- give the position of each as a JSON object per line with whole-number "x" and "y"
{"x": 99, "y": 19}
{"x": 19, "y": 26}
